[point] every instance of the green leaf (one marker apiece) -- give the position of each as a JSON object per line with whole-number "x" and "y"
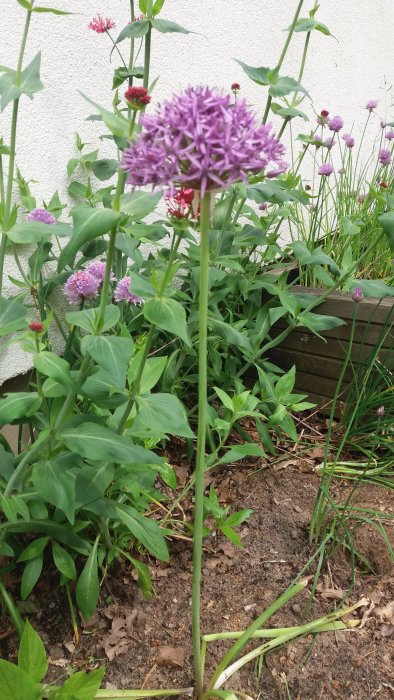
{"x": 319, "y": 322}
{"x": 88, "y": 587}
{"x": 387, "y": 223}
{"x": 81, "y": 686}
{"x": 289, "y": 112}
{"x": 87, "y": 318}
{"x": 56, "y": 368}
{"x": 139, "y": 204}
{"x": 92, "y": 483}
{"x": 17, "y": 406}
{"x": 157, "y": 7}
{"x": 56, "y": 485}
{"x": 225, "y": 399}
{"x": 144, "y": 581}
{"x": 101, "y": 444}
{"x": 313, "y": 257}
{"x": 154, "y": 368}
{"x": 31, "y": 655}
{"x": 111, "y": 353}
{"x": 31, "y": 574}
{"x": 64, "y": 561}
{"x": 55, "y": 530}
{"x": 162, "y": 413}
{"x": 229, "y": 333}
{"x": 35, "y": 232}
{"x": 15, "y": 683}
{"x": 284, "y": 86}
{"x": 237, "y": 452}
{"x": 134, "y": 30}
{"x": 306, "y": 24}
{"x": 52, "y": 10}
{"x": 116, "y": 123}
{"x": 30, "y": 77}
{"x": 239, "y": 517}
{"x": 25, "y": 4}
{"x": 34, "y": 549}
{"x": 258, "y": 75}
{"x": 122, "y": 73}
{"x": 144, "y": 530}
{"x": 169, "y": 315}
{"x": 375, "y": 289}
{"x": 105, "y": 168}
{"x": 285, "y": 385}
{"x": 164, "y": 26}
{"x": 88, "y": 224}
{"x": 12, "y": 316}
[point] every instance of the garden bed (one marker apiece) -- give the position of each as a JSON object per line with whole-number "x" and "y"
{"x": 132, "y": 636}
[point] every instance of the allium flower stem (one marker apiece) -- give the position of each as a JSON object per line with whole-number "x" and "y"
{"x": 205, "y": 208}
{"x": 131, "y": 56}
{"x": 147, "y": 53}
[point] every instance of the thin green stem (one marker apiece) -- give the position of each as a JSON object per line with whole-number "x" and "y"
{"x": 202, "y": 427}
{"x": 148, "y": 39}
{"x": 12, "y": 610}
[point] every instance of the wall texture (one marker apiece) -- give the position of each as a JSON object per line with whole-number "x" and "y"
{"x": 342, "y": 73}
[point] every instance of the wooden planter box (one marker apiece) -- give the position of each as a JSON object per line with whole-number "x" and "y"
{"x": 319, "y": 362}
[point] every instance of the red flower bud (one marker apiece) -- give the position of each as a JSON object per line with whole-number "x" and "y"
{"x": 384, "y": 185}
{"x": 36, "y": 326}
{"x": 324, "y": 113}
{"x": 235, "y": 87}
{"x": 137, "y": 97}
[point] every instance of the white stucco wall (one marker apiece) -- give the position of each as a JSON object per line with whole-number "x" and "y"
{"x": 341, "y": 73}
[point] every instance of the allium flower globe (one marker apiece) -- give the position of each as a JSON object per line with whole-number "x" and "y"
{"x": 384, "y": 156}
{"x": 325, "y": 170}
{"x": 97, "y": 269}
{"x": 335, "y": 123}
{"x": 122, "y": 293}
{"x": 200, "y": 140}
{"x": 371, "y": 105}
{"x": 81, "y": 286}
{"x": 41, "y": 215}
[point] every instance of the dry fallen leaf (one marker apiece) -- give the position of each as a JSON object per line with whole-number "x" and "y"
{"x": 62, "y": 663}
{"x": 386, "y": 613}
{"x": 173, "y": 656}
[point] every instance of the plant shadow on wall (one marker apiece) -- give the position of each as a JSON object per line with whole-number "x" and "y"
{"x": 154, "y": 347}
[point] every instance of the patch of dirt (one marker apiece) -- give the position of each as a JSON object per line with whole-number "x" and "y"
{"x": 147, "y": 642}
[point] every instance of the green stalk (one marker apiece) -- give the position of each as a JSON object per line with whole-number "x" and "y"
{"x": 131, "y": 59}
{"x": 11, "y": 164}
{"x": 202, "y": 427}
{"x": 148, "y": 39}
{"x": 12, "y": 610}
{"x": 47, "y": 691}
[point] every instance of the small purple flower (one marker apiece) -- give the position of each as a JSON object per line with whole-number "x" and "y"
{"x": 282, "y": 167}
{"x": 357, "y": 294}
{"x": 349, "y": 140}
{"x": 371, "y": 105}
{"x": 200, "y": 140}
{"x": 325, "y": 170}
{"x": 384, "y": 156}
{"x": 122, "y": 293}
{"x": 81, "y": 286}
{"x": 335, "y": 123}
{"x": 380, "y": 411}
{"x": 41, "y": 215}
{"x": 263, "y": 206}
{"x": 97, "y": 269}
{"x": 383, "y": 124}
{"x": 390, "y": 135}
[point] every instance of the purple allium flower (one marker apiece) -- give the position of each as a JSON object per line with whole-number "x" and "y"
{"x": 199, "y": 140}
{"x": 97, "y": 269}
{"x": 81, "y": 286}
{"x": 41, "y": 215}
{"x": 325, "y": 169}
{"x": 122, "y": 293}
{"x": 390, "y": 135}
{"x": 349, "y": 140}
{"x": 380, "y": 411}
{"x": 263, "y": 206}
{"x": 335, "y": 123}
{"x": 383, "y": 124}
{"x": 357, "y": 294}
{"x": 371, "y": 105}
{"x": 282, "y": 167}
{"x": 384, "y": 156}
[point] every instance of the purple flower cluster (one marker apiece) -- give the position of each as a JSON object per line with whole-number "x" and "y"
{"x": 384, "y": 156}
{"x": 122, "y": 293}
{"x": 349, "y": 140}
{"x": 200, "y": 140}
{"x": 41, "y": 215}
{"x": 335, "y": 123}
{"x": 84, "y": 285}
{"x": 371, "y": 105}
{"x": 325, "y": 170}
{"x": 357, "y": 294}
{"x": 97, "y": 269}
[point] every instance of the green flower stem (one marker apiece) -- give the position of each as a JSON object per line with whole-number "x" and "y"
{"x": 132, "y": 43}
{"x": 205, "y": 209}
{"x": 11, "y": 164}
{"x": 147, "y": 55}
{"x": 273, "y": 632}
{"x": 12, "y": 610}
{"x": 47, "y": 692}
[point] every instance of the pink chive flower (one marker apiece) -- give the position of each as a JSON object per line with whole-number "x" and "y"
{"x": 349, "y": 140}
{"x": 42, "y": 216}
{"x": 263, "y": 206}
{"x": 279, "y": 170}
{"x": 357, "y": 294}
{"x": 122, "y": 293}
{"x": 200, "y": 140}
{"x": 97, "y": 269}
{"x": 81, "y": 286}
{"x": 325, "y": 170}
{"x": 380, "y": 411}
{"x": 371, "y": 105}
{"x": 335, "y": 123}
{"x": 390, "y": 135}
{"x": 384, "y": 156}
{"x": 101, "y": 25}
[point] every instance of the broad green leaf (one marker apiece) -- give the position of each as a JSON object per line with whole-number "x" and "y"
{"x": 284, "y": 86}
{"x": 92, "y": 483}
{"x": 116, "y": 123}
{"x": 285, "y": 384}
{"x": 122, "y": 73}
{"x": 52, "y": 10}
{"x": 237, "y": 452}
{"x": 6, "y": 463}
{"x": 289, "y": 112}
{"x": 139, "y": 204}
{"x": 103, "y": 390}
{"x": 231, "y": 535}
{"x": 239, "y": 517}
{"x": 225, "y": 398}
{"x": 144, "y": 530}
{"x": 313, "y": 257}
{"x": 157, "y": 7}
{"x": 229, "y": 333}
{"x": 154, "y": 368}
{"x": 30, "y": 576}
{"x": 87, "y": 318}
{"x": 105, "y": 168}
{"x": 8, "y": 90}
{"x": 88, "y": 223}
{"x": 319, "y": 322}
{"x": 56, "y": 368}
{"x": 30, "y": 77}
{"x": 19, "y": 405}
{"x": 111, "y": 353}
{"x": 169, "y": 315}
{"x": 55, "y": 530}
{"x": 134, "y": 30}
{"x": 81, "y": 686}
{"x": 161, "y": 413}
{"x": 375, "y": 289}
{"x": 16, "y": 684}
{"x": 25, "y": 4}
{"x": 101, "y": 444}
{"x": 387, "y": 223}
{"x": 164, "y": 26}
{"x": 258, "y": 75}
{"x": 307, "y": 24}
{"x": 64, "y": 561}
{"x": 34, "y": 549}
{"x": 35, "y": 232}
{"x": 31, "y": 656}
{"x": 88, "y": 587}
{"x": 12, "y": 316}
{"x": 55, "y": 485}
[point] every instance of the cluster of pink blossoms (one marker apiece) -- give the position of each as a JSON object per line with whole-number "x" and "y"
{"x": 179, "y": 205}
{"x": 84, "y": 285}
{"x": 101, "y": 25}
